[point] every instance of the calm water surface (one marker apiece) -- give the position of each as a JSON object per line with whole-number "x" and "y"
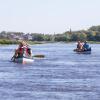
{"x": 61, "y": 75}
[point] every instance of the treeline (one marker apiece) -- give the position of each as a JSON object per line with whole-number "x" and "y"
{"x": 92, "y": 34}
{"x": 5, "y": 41}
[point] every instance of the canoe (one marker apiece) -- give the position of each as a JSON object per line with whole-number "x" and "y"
{"x": 83, "y": 52}
{"x": 24, "y": 60}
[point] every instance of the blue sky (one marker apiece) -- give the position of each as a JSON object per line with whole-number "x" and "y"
{"x": 48, "y": 16}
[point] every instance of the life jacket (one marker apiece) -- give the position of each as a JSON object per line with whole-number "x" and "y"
{"x": 21, "y": 50}
{"x": 29, "y": 51}
{"x": 24, "y": 51}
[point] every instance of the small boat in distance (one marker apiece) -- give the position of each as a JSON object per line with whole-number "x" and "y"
{"x": 83, "y": 48}
{"x": 83, "y": 51}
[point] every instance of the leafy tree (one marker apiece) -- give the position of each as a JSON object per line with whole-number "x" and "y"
{"x": 95, "y": 28}
{"x": 91, "y": 36}
{"x": 60, "y": 37}
{"x": 82, "y": 37}
{"x": 74, "y": 37}
{"x": 97, "y": 36}
{"x": 37, "y": 37}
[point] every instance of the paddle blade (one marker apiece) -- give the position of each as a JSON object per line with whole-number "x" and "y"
{"x": 39, "y": 56}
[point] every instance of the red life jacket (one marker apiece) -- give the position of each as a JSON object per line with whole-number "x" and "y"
{"x": 21, "y": 50}
{"x": 26, "y": 50}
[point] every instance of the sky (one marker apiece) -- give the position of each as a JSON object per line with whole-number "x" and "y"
{"x": 48, "y": 16}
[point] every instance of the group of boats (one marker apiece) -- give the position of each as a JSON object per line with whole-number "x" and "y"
{"x": 25, "y": 60}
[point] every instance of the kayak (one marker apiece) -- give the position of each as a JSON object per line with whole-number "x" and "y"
{"x": 24, "y": 60}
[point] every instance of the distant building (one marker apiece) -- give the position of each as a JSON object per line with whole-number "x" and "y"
{"x": 70, "y": 31}
{"x": 27, "y": 37}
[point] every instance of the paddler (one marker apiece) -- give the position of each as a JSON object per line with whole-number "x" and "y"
{"x": 22, "y": 51}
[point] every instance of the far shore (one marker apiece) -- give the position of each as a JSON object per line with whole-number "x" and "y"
{"x": 15, "y": 42}
{"x": 11, "y": 42}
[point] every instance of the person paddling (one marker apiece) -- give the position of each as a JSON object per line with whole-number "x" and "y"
{"x": 79, "y": 46}
{"x": 27, "y": 50}
{"x": 86, "y": 46}
{"x": 22, "y": 51}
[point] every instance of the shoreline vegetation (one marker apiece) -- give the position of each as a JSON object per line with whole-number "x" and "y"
{"x": 92, "y": 35}
{"x": 11, "y": 42}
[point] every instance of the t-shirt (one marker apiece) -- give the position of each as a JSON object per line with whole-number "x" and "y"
{"x": 86, "y": 46}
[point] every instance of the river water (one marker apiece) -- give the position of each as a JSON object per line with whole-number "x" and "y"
{"x": 61, "y": 75}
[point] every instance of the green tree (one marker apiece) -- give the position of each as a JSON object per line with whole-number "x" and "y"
{"x": 95, "y": 28}
{"x": 91, "y": 36}
{"x": 37, "y": 37}
{"x": 97, "y": 36}
{"x": 74, "y": 37}
{"x": 82, "y": 37}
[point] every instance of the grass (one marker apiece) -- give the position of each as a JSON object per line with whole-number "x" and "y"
{"x": 94, "y": 42}
{"x": 8, "y": 42}
{"x": 34, "y": 42}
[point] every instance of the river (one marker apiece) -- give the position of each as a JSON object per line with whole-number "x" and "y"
{"x": 61, "y": 75}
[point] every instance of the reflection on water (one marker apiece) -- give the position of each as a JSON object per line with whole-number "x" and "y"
{"x": 61, "y": 75}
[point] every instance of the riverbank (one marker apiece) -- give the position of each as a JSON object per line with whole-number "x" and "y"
{"x": 91, "y": 42}
{"x": 94, "y": 42}
{"x": 8, "y": 42}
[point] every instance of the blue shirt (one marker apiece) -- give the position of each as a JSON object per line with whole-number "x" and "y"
{"x": 86, "y": 46}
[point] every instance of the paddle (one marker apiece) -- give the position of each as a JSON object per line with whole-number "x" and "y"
{"x": 39, "y": 56}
